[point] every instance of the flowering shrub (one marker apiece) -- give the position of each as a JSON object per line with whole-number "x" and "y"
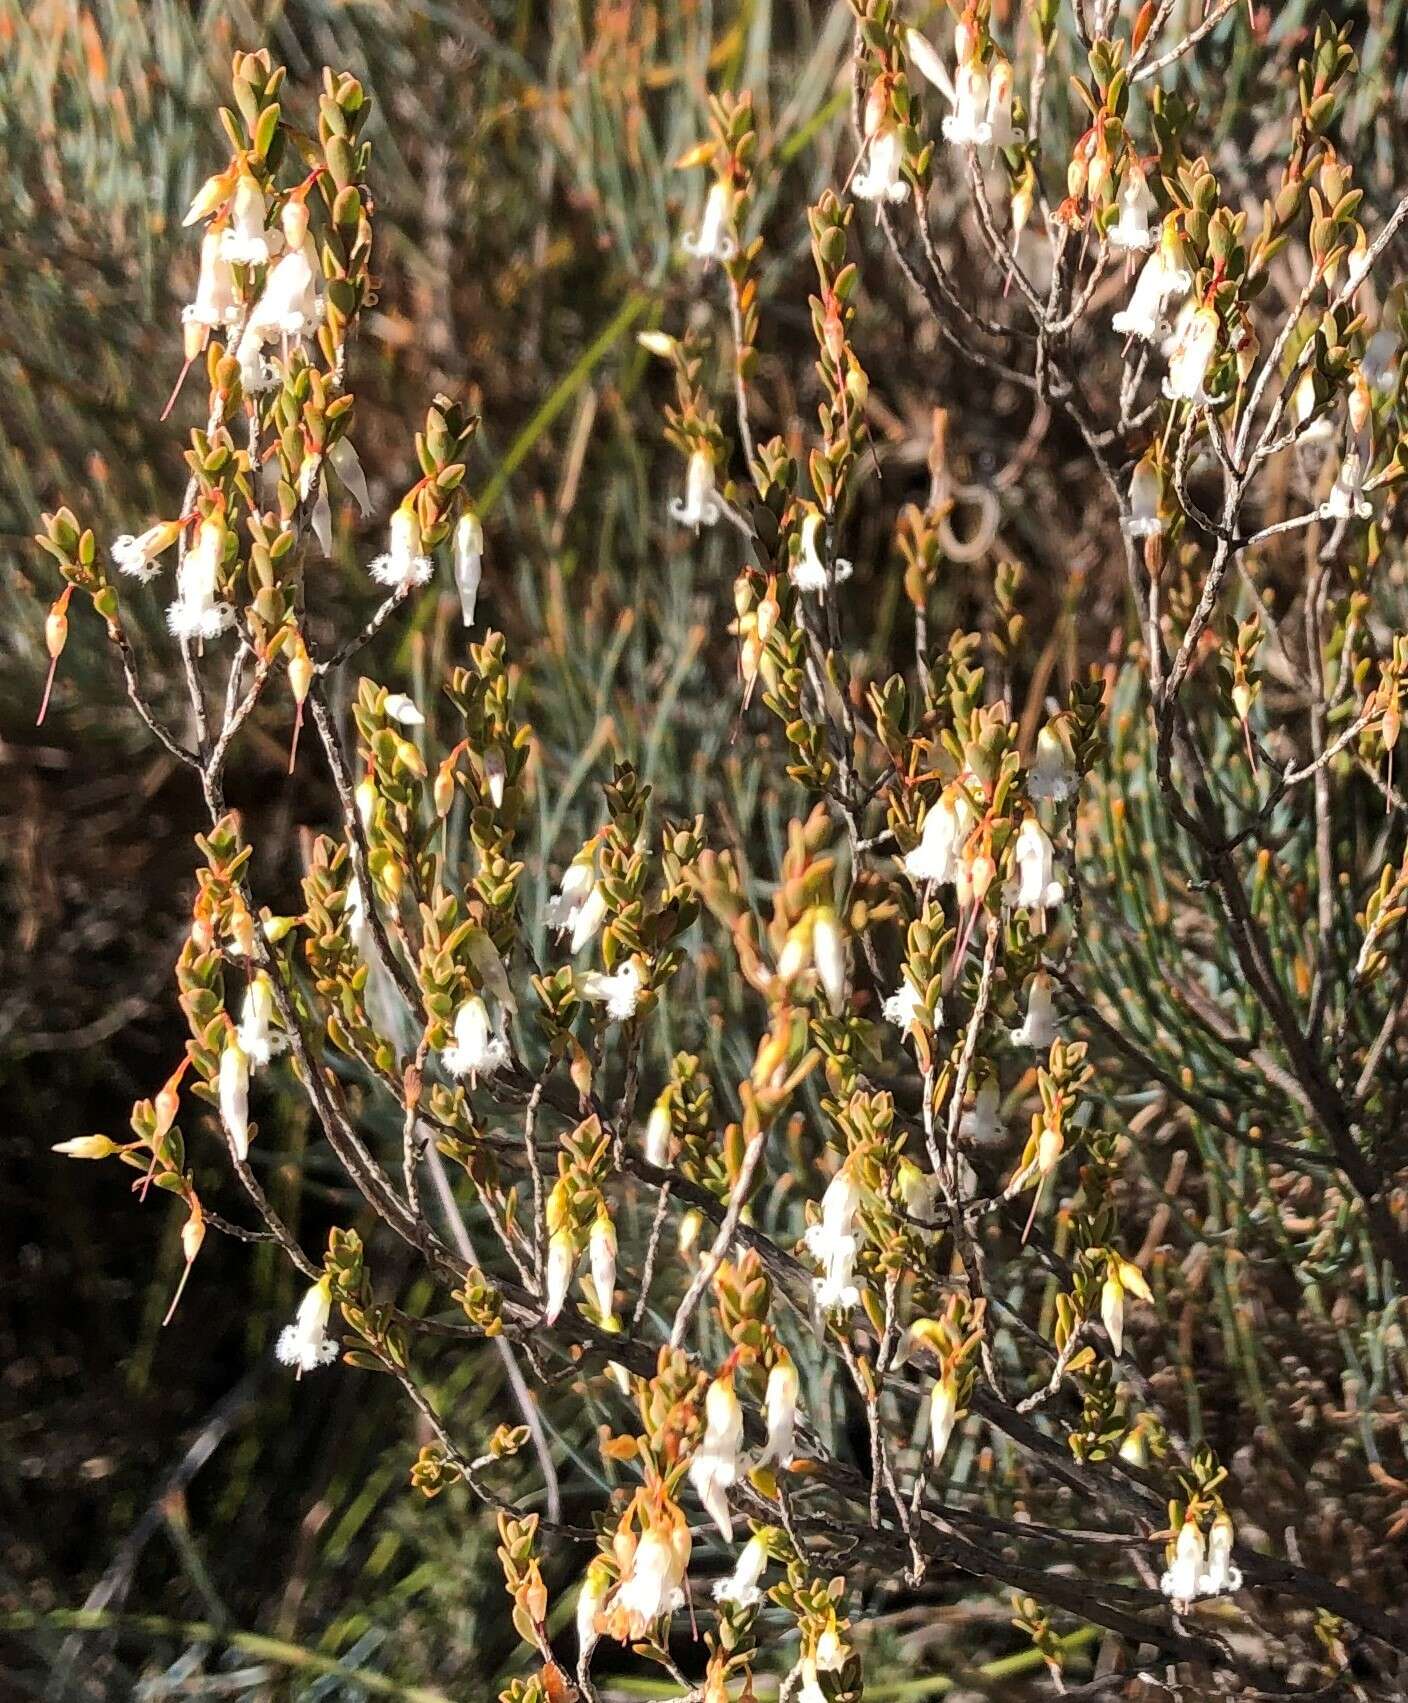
{"x": 822, "y": 1169}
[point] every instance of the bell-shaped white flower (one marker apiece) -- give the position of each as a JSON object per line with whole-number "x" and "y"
{"x": 700, "y": 505}
{"x": 215, "y": 302}
{"x": 1034, "y": 886}
{"x": 658, "y": 1127}
{"x": 882, "y": 179}
{"x": 714, "y": 1466}
{"x": 386, "y": 1009}
{"x": 741, "y": 1586}
{"x": 982, "y": 1124}
{"x": 1221, "y": 1574}
{"x": 256, "y": 373}
{"x": 780, "y": 1411}
{"x": 561, "y": 1265}
{"x": 714, "y": 240}
{"x": 290, "y": 305}
{"x": 829, "y": 956}
{"x": 596, "y": 1587}
{"x": 1052, "y": 776}
{"x": 1184, "y": 1574}
{"x": 198, "y": 612}
{"x": 1191, "y": 355}
{"x": 808, "y": 572}
{"x": 618, "y": 992}
{"x": 1161, "y": 278}
{"x": 1347, "y": 500}
{"x": 943, "y": 1415}
{"x": 946, "y": 828}
{"x": 601, "y": 1255}
{"x": 246, "y": 241}
{"x": 257, "y": 1033}
{"x": 654, "y": 1585}
{"x": 305, "y": 1344}
{"x": 1146, "y": 491}
{"x": 234, "y": 1094}
{"x": 404, "y": 562}
{"x": 479, "y": 1047}
{"x": 1002, "y": 132}
{"x": 578, "y": 907}
{"x": 967, "y": 125}
{"x": 1039, "y": 1028}
{"x": 468, "y": 555}
{"x": 137, "y": 557}
{"x": 1130, "y": 233}
{"x": 832, "y": 1242}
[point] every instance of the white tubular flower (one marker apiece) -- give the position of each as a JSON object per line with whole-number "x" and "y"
{"x": 1161, "y": 278}
{"x": 780, "y": 1411}
{"x": 349, "y": 469}
{"x": 714, "y": 1468}
{"x": 882, "y": 179}
{"x": 1039, "y": 1029}
{"x": 601, "y": 1252}
{"x": 1112, "y": 1310}
{"x": 1190, "y": 356}
{"x": 590, "y": 1599}
{"x": 215, "y": 302}
{"x": 385, "y": 1007}
{"x": 197, "y": 612}
{"x": 714, "y": 240}
{"x": 1130, "y": 233}
{"x": 741, "y": 1586}
{"x": 1184, "y": 1574}
{"x": 561, "y": 1263}
{"x": 1052, "y": 776}
{"x": 290, "y": 305}
{"x": 946, "y": 828}
{"x": 619, "y": 993}
{"x": 256, "y": 374}
{"x": 468, "y": 555}
{"x": 832, "y": 1242}
{"x": 495, "y": 774}
{"x": 925, "y": 59}
{"x": 828, "y": 1656}
{"x": 305, "y": 1344}
{"x": 404, "y": 563}
{"x": 943, "y": 1416}
{"x": 1221, "y": 1574}
{"x": 1035, "y": 887}
{"x": 320, "y": 515}
{"x": 577, "y": 886}
{"x": 657, "y": 1130}
{"x": 257, "y": 1034}
{"x": 829, "y": 956}
{"x": 700, "y": 505}
{"x": 1002, "y": 133}
{"x": 1146, "y": 490}
{"x": 967, "y": 125}
{"x": 982, "y": 1122}
{"x": 904, "y": 1008}
{"x": 246, "y": 242}
{"x": 234, "y": 1094}
{"x": 654, "y": 1586}
{"x": 137, "y": 556}
{"x": 478, "y": 1048}
{"x": 403, "y": 709}
{"x": 587, "y": 918}
{"x": 1347, "y": 500}
{"x": 808, "y": 572}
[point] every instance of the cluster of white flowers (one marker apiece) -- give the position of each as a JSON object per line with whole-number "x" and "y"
{"x": 1201, "y": 1568}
